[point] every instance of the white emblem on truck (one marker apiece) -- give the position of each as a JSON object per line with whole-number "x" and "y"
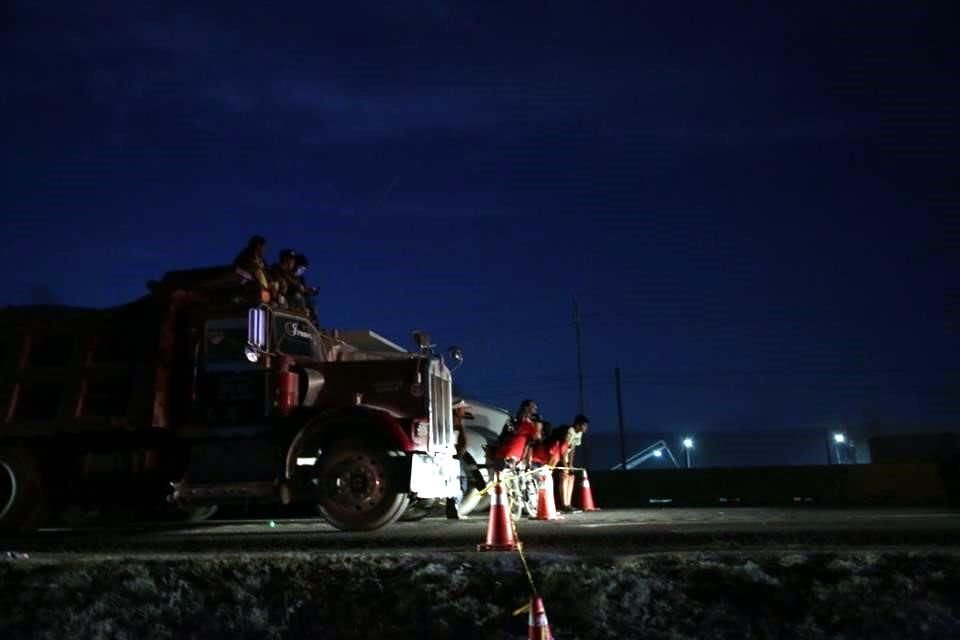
{"x": 293, "y": 329}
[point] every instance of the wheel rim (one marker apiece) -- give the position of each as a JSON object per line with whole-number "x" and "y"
{"x": 531, "y": 497}
{"x": 8, "y": 488}
{"x": 357, "y": 484}
{"x": 516, "y": 500}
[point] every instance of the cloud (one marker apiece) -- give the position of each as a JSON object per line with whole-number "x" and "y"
{"x": 130, "y": 75}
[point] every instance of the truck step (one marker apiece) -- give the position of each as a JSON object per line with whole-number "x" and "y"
{"x": 219, "y": 493}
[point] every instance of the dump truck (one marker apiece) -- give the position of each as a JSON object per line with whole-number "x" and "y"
{"x": 200, "y": 394}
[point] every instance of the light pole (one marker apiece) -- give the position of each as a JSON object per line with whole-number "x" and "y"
{"x": 580, "y": 404}
{"x": 688, "y": 449}
{"x": 839, "y": 438}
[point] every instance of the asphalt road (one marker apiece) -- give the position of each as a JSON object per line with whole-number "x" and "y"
{"x": 604, "y": 533}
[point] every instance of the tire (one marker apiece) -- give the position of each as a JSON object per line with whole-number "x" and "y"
{"x": 356, "y": 491}
{"x": 418, "y": 509}
{"x": 531, "y": 495}
{"x": 522, "y": 494}
{"x": 482, "y": 506}
{"x": 77, "y": 516}
{"x": 477, "y": 483}
{"x": 198, "y": 514}
{"x": 22, "y": 504}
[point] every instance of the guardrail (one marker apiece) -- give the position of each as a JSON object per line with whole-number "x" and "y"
{"x": 896, "y": 484}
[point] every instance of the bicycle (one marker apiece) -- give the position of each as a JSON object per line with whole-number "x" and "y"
{"x": 522, "y": 487}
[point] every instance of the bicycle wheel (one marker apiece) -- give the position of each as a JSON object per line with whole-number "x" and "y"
{"x": 530, "y": 494}
{"x": 512, "y": 492}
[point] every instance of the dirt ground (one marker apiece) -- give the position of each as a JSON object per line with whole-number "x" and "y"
{"x": 734, "y": 594}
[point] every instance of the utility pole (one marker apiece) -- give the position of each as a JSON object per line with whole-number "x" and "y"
{"x": 580, "y": 403}
{"x": 623, "y": 444}
{"x": 576, "y": 324}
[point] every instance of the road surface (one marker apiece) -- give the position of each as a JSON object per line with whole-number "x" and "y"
{"x": 604, "y": 533}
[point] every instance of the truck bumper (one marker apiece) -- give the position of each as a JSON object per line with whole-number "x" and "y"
{"x": 434, "y": 476}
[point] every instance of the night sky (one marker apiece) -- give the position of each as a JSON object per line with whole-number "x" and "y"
{"x": 755, "y": 208}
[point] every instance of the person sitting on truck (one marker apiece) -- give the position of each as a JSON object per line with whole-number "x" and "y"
{"x": 288, "y": 287}
{"x": 249, "y": 262}
{"x": 299, "y": 272}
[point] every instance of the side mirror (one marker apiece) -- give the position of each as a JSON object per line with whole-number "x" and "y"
{"x": 456, "y": 354}
{"x": 422, "y": 341}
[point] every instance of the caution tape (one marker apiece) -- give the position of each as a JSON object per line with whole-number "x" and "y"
{"x": 526, "y": 608}
{"x": 523, "y": 558}
{"x": 529, "y": 472}
{"x": 540, "y": 623}
{"x": 512, "y": 475}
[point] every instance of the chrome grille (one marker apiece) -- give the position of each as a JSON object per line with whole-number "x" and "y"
{"x": 441, "y": 407}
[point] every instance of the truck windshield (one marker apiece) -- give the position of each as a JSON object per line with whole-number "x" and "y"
{"x": 295, "y": 337}
{"x": 224, "y": 342}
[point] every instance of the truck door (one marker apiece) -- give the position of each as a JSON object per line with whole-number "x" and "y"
{"x": 231, "y": 389}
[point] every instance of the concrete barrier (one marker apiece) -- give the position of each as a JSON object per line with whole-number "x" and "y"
{"x": 900, "y": 484}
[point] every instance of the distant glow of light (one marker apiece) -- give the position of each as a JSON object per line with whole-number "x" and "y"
{"x": 839, "y": 438}
{"x": 688, "y": 443}
{"x": 658, "y": 453}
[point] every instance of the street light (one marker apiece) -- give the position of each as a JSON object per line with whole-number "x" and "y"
{"x": 687, "y": 448}
{"x": 839, "y": 438}
{"x": 658, "y": 453}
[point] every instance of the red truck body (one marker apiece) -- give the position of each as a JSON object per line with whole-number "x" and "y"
{"x": 163, "y": 398}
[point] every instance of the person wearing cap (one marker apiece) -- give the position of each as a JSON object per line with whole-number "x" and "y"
{"x": 460, "y": 408}
{"x": 288, "y": 287}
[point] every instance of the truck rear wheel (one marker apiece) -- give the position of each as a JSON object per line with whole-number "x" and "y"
{"x": 22, "y": 505}
{"x": 418, "y": 509}
{"x": 198, "y": 513}
{"x": 470, "y": 502}
{"x": 357, "y": 491}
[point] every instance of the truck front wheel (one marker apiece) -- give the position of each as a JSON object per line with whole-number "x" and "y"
{"x": 22, "y": 506}
{"x": 356, "y": 491}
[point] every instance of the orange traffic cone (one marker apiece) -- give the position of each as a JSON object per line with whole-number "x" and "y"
{"x": 538, "y": 628}
{"x": 586, "y": 496}
{"x": 499, "y": 527}
{"x": 546, "y": 507}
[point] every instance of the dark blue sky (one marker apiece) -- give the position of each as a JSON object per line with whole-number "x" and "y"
{"x": 756, "y": 208}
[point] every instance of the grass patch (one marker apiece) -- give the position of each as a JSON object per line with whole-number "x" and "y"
{"x": 678, "y": 595}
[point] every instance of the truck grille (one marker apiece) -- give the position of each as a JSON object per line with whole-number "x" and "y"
{"x": 441, "y": 408}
